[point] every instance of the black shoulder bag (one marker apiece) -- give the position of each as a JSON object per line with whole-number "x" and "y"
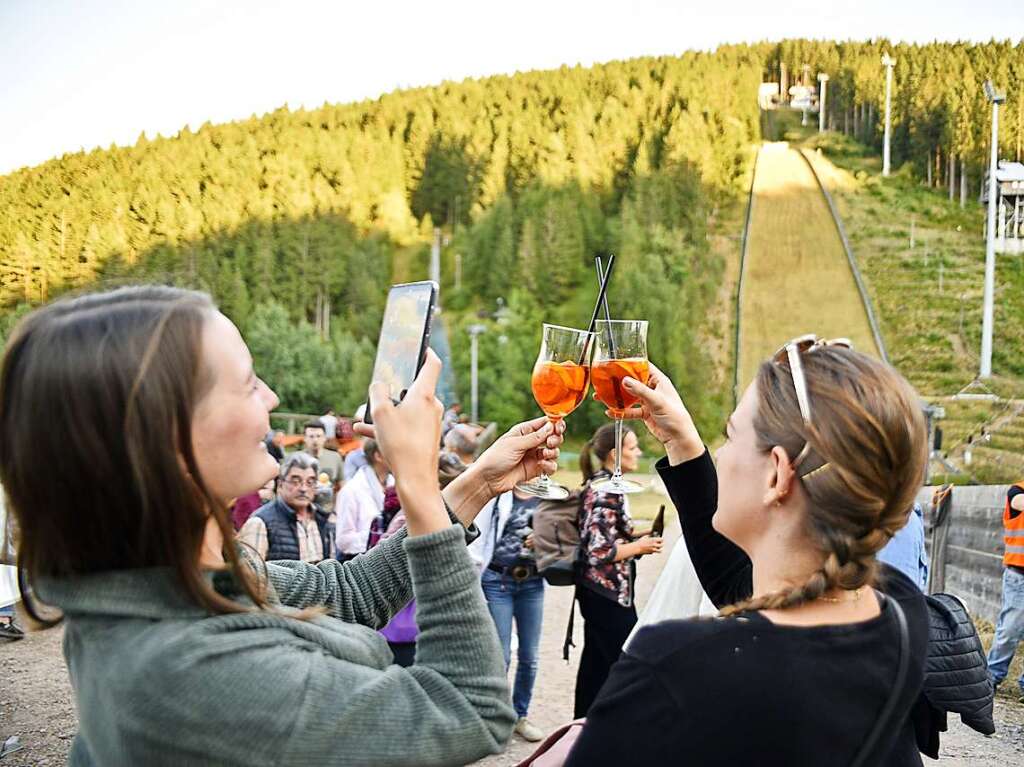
{"x": 885, "y": 719}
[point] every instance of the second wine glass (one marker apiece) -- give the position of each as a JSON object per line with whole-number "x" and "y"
{"x": 621, "y": 350}
{"x": 561, "y": 378}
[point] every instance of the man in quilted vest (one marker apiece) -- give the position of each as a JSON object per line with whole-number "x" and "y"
{"x": 1010, "y": 628}
{"x": 291, "y": 526}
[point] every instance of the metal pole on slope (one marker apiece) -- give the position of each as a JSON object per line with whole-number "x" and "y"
{"x": 888, "y": 62}
{"x": 996, "y": 98}
{"x": 823, "y": 79}
{"x": 474, "y": 332}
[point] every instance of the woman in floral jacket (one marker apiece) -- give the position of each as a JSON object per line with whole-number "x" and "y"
{"x": 607, "y": 568}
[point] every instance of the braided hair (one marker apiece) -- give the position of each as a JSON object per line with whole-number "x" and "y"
{"x": 867, "y": 460}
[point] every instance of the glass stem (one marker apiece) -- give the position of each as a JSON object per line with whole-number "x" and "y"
{"x": 617, "y": 476}
{"x": 543, "y": 480}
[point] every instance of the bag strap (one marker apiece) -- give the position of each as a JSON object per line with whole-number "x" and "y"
{"x": 568, "y": 629}
{"x": 901, "y": 678}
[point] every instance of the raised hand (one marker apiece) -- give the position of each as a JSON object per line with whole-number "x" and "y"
{"x": 409, "y": 436}
{"x": 525, "y": 451}
{"x": 665, "y": 416}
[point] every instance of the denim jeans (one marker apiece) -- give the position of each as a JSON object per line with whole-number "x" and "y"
{"x": 525, "y": 602}
{"x": 1009, "y": 629}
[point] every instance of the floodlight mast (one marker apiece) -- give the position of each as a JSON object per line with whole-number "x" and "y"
{"x": 888, "y": 62}
{"x": 823, "y": 79}
{"x": 997, "y": 98}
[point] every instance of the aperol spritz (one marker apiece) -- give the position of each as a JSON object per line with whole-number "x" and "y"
{"x": 561, "y": 378}
{"x": 621, "y": 350}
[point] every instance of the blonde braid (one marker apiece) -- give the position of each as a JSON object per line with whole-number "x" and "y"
{"x": 868, "y": 452}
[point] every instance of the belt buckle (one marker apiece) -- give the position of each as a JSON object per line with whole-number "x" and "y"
{"x": 519, "y": 573}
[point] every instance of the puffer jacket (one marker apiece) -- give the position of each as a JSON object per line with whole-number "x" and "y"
{"x": 956, "y": 675}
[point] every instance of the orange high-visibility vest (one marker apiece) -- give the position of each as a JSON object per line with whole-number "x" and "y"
{"x": 1013, "y": 535}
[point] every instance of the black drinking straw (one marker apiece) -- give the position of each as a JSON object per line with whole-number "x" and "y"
{"x": 601, "y": 276}
{"x": 600, "y": 301}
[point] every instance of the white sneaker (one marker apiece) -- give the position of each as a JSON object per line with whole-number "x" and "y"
{"x": 527, "y": 730}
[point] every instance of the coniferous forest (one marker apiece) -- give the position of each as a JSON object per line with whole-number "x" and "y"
{"x": 298, "y": 221}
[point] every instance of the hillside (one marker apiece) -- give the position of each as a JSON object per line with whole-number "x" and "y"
{"x": 928, "y": 294}
{"x": 297, "y": 221}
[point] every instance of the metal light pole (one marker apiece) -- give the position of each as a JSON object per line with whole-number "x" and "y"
{"x": 474, "y": 332}
{"x": 888, "y": 62}
{"x": 823, "y": 79}
{"x": 996, "y": 98}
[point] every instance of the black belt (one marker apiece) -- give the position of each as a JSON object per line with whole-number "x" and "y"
{"x": 517, "y": 573}
{"x": 1018, "y": 568}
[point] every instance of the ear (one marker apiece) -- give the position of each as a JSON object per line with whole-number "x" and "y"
{"x": 781, "y": 478}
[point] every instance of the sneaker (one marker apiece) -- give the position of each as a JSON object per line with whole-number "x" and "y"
{"x": 10, "y": 630}
{"x": 528, "y": 731}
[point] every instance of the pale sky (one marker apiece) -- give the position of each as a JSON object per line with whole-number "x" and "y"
{"x": 82, "y": 73}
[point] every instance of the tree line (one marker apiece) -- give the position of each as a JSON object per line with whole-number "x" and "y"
{"x": 297, "y": 221}
{"x": 941, "y": 119}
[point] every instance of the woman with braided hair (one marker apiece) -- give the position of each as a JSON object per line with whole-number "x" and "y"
{"x": 817, "y": 656}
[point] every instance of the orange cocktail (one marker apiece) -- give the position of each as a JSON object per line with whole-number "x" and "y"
{"x": 607, "y": 376}
{"x": 559, "y": 387}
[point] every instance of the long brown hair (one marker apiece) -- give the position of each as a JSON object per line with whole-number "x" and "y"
{"x": 599, "y": 446}
{"x": 97, "y": 395}
{"x": 868, "y": 452}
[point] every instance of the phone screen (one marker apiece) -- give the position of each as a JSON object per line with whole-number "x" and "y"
{"x": 404, "y": 335}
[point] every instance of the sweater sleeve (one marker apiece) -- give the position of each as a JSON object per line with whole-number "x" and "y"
{"x": 451, "y": 707}
{"x": 723, "y": 568}
{"x": 369, "y": 589}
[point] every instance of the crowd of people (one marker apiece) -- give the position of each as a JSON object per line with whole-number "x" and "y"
{"x": 378, "y": 578}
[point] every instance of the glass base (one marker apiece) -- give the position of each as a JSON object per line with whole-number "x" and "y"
{"x": 543, "y": 487}
{"x": 617, "y": 486}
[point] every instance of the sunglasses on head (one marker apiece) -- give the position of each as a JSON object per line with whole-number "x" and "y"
{"x": 791, "y": 352}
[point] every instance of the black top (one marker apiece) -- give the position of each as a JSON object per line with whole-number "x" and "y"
{"x": 1013, "y": 493}
{"x": 743, "y": 690}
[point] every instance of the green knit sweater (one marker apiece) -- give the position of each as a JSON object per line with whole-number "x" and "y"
{"x": 158, "y": 681}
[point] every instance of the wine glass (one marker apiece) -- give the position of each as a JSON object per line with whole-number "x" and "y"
{"x": 561, "y": 377}
{"x": 621, "y": 351}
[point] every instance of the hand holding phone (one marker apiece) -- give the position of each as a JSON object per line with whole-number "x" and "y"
{"x": 404, "y": 339}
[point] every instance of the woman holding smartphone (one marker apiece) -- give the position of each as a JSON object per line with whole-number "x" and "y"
{"x": 182, "y": 650}
{"x": 818, "y": 654}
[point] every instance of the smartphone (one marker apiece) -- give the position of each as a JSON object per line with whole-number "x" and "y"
{"x": 404, "y": 337}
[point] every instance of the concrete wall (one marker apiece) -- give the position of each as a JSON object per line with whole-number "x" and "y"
{"x": 974, "y": 548}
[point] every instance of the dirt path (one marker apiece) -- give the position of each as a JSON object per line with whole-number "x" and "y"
{"x": 796, "y": 278}
{"x": 36, "y": 703}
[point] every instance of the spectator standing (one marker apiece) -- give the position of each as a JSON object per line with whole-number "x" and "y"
{"x": 513, "y": 590}
{"x": 1010, "y": 626}
{"x": 246, "y": 505}
{"x": 291, "y": 526}
{"x": 401, "y": 631}
{"x": 330, "y": 422}
{"x": 355, "y": 459}
{"x": 607, "y": 570}
{"x": 9, "y": 628}
{"x": 314, "y": 439}
{"x": 360, "y": 501}
{"x": 275, "y": 444}
{"x": 451, "y": 418}
{"x": 907, "y": 552}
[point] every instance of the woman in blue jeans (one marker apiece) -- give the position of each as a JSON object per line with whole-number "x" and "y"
{"x": 513, "y": 589}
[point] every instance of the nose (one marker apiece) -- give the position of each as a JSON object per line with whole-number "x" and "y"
{"x": 270, "y": 397}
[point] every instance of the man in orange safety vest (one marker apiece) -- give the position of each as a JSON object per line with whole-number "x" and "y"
{"x": 1010, "y": 628}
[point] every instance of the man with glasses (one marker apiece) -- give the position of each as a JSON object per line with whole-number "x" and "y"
{"x": 292, "y": 526}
